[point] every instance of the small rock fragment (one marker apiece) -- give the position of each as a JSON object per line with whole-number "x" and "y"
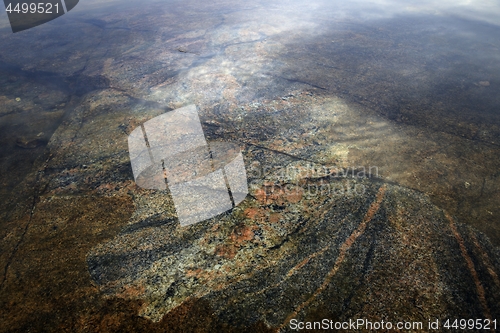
{"x": 30, "y": 143}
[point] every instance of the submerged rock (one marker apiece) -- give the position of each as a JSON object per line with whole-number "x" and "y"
{"x": 85, "y": 250}
{"x": 30, "y": 143}
{"x": 337, "y": 248}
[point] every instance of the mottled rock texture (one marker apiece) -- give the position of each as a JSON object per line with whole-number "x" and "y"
{"x": 407, "y": 103}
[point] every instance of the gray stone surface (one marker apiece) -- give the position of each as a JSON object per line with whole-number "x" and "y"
{"x": 370, "y": 143}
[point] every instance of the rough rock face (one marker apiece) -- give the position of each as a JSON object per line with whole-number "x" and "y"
{"x": 371, "y": 148}
{"x": 360, "y": 249}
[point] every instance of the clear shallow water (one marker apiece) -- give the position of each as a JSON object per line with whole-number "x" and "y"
{"x": 411, "y": 89}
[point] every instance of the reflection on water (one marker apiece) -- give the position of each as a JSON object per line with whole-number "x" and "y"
{"x": 410, "y": 88}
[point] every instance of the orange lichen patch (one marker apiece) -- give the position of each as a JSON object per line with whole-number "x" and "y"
{"x": 252, "y": 212}
{"x": 193, "y": 272}
{"x": 226, "y": 251}
{"x": 278, "y": 194}
{"x": 470, "y": 264}
{"x": 260, "y": 195}
{"x": 255, "y": 214}
{"x": 275, "y": 217}
{"x": 106, "y": 187}
{"x": 295, "y": 195}
{"x": 131, "y": 291}
{"x": 242, "y": 234}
